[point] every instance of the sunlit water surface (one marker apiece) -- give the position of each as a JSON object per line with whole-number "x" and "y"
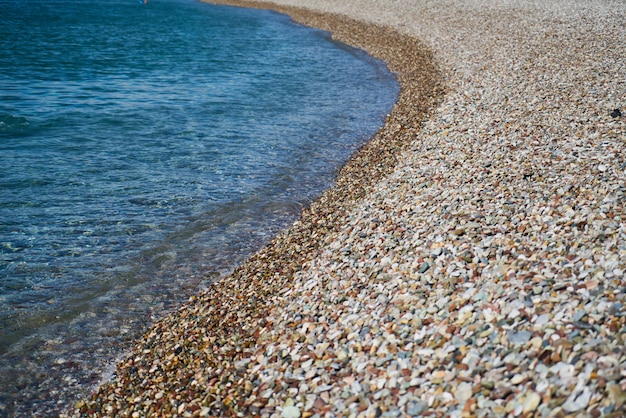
{"x": 144, "y": 151}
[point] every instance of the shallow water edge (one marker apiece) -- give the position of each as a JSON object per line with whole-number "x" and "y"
{"x": 49, "y": 374}
{"x": 213, "y": 330}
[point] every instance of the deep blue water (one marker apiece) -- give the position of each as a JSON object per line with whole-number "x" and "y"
{"x": 144, "y": 151}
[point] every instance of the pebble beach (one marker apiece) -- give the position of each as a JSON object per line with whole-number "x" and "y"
{"x": 470, "y": 259}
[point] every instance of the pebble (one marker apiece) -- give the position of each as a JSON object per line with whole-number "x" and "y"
{"x": 290, "y": 412}
{"x": 578, "y": 400}
{"x": 531, "y": 402}
{"x": 520, "y": 337}
{"x": 463, "y": 392}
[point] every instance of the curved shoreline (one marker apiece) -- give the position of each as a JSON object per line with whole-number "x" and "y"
{"x": 469, "y": 262}
{"x": 220, "y": 326}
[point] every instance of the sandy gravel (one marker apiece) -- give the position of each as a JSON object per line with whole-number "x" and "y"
{"x": 470, "y": 260}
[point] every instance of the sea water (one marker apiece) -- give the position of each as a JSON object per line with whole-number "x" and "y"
{"x": 145, "y": 150}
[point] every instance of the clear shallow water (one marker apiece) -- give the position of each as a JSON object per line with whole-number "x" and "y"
{"x": 144, "y": 151}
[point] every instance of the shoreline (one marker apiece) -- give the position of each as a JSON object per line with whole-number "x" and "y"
{"x": 234, "y": 306}
{"x": 468, "y": 262}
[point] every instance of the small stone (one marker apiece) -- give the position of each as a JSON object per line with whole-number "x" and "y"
{"x": 487, "y": 384}
{"x": 500, "y": 393}
{"x": 617, "y": 395}
{"x": 323, "y": 388}
{"x": 467, "y": 257}
{"x": 485, "y": 333}
{"x": 517, "y": 379}
{"x": 520, "y": 337}
{"x": 459, "y": 232}
{"x": 480, "y": 296}
{"x": 414, "y": 408}
{"x": 532, "y": 401}
{"x": 591, "y": 284}
{"x": 266, "y": 393}
{"x": 616, "y": 113}
{"x": 242, "y": 364}
{"x": 472, "y": 225}
{"x": 579, "y": 315}
{"x": 463, "y": 392}
{"x": 499, "y": 410}
{"x": 290, "y": 412}
{"x": 542, "y": 319}
{"x": 578, "y": 401}
{"x": 432, "y": 309}
{"x": 616, "y": 308}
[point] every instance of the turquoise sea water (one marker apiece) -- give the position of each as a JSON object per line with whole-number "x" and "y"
{"x": 145, "y": 149}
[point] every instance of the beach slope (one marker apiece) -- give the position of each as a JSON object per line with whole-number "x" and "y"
{"x": 469, "y": 261}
